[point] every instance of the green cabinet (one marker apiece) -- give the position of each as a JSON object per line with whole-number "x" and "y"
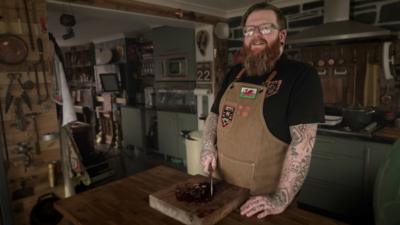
{"x": 341, "y": 175}
{"x": 169, "y": 125}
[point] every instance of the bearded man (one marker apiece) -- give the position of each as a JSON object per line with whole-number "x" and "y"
{"x": 262, "y": 126}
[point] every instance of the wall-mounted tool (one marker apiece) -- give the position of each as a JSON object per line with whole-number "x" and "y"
{"x": 28, "y": 20}
{"x": 13, "y": 49}
{"x": 24, "y": 149}
{"x": 10, "y": 97}
{"x": 19, "y": 24}
{"x": 20, "y": 121}
{"x": 36, "y": 129}
{"x": 39, "y": 43}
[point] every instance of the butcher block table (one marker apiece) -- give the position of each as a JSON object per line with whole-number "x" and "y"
{"x": 126, "y": 202}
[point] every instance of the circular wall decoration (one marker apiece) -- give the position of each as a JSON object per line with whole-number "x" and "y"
{"x": 13, "y": 49}
{"x": 221, "y": 30}
{"x": 202, "y": 39}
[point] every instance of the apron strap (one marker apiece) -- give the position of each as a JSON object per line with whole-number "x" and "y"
{"x": 239, "y": 75}
{"x": 269, "y": 78}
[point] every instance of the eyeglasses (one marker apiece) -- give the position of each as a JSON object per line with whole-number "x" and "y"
{"x": 264, "y": 29}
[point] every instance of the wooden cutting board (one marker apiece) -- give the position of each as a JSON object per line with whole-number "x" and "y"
{"x": 226, "y": 198}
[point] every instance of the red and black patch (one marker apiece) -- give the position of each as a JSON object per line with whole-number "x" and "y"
{"x": 227, "y": 115}
{"x": 272, "y": 87}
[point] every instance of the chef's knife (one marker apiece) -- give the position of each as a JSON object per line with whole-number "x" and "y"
{"x": 210, "y": 170}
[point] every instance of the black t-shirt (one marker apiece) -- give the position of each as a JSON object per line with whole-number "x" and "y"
{"x": 298, "y": 101}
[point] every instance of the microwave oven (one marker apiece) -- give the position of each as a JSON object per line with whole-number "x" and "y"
{"x": 174, "y": 67}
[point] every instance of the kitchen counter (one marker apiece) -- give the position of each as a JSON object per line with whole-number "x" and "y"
{"x": 382, "y": 135}
{"x": 126, "y": 202}
{"x": 388, "y": 133}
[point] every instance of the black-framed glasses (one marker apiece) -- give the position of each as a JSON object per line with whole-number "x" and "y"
{"x": 264, "y": 29}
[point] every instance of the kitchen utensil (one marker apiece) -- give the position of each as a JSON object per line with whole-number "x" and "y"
{"x": 39, "y": 43}
{"x": 13, "y": 49}
{"x": 332, "y": 120}
{"x": 19, "y": 25}
{"x": 226, "y": 198}
{"x": 331, "y": 59}
{"x": 357, "y": 117}
{"x": 3, "y": 132}
{"x": 341, "y": 60}
{"x": 43, "y": 212}
{"x": 28, "y": 21}
{"x": 210, "y": 178}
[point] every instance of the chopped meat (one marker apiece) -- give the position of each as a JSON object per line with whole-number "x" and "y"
{"x": 189, "y": 192}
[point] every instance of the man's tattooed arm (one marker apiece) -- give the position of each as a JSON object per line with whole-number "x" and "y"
{"x": 294, "y": 171}
{"x": 209, "y": 151}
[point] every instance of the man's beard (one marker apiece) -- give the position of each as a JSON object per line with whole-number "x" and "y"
{"x": 259, "y": 63}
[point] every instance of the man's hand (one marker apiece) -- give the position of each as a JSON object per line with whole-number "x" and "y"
{"x": 263, "y": 205}
{"x": 208, "y": 158}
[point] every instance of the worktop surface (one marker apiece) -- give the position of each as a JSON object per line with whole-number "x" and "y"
{"x": 126, "y": 202}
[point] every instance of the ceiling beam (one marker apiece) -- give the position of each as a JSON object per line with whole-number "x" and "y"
{"x": 149, "y": 9}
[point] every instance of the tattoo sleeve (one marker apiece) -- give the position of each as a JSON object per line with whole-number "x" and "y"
{"x": 210, "y": 132}
{"x": 296, "y": 163}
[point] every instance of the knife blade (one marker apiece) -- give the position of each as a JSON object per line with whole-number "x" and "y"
{"x": 210, "y": 170}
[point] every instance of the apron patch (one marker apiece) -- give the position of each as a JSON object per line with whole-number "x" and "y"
{"x": 272, "y": 87}
{"x": 227, "y": 115}
{"x": 247, "y": 92}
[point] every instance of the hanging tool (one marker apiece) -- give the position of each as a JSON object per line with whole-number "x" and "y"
{"x": 39, "y": 43}
{"x": 28, "y": 20}
{"x": 19, "y": 25}
{"x": 10, "y": 97}
{"x": 20, "y": 121}
{"x": 36, "y": 129}
{"x": 39, "y": 96}
{"x": 3, "y": 132}
{"x": 25, "y": 149}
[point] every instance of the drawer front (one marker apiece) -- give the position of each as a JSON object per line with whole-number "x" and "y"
{"x": 337, "y": 169}
{"x": 338, "y": 161}
{"x": 342, "y": 146}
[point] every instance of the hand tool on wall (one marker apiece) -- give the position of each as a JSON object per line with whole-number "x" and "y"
{"x": 39, "y": 43}
{"x": 36, "y": 129}
{"x": 28, "y": 21}
{"x": 28, "y": 84}
{"x": 24, "y": 94}
{"x": 25, "y": 149}
{"x": 20, "y": 120}
{"x": 10, "y": 97}
{"x": 37, "y": 85}
{"x": 13, "y": 49}
{"x": 19, "y": 25}
{"x": 3, "y": 133}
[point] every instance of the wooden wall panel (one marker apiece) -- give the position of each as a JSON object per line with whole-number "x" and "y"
{"x": 35, "y": 175}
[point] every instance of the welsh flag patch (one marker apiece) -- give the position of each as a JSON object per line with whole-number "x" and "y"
{"x": 247, "y": 92}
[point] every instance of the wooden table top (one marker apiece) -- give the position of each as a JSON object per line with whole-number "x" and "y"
{"x": 126, "y": 202}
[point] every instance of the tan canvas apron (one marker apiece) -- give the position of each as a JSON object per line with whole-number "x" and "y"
{"x": 248, "y": 154}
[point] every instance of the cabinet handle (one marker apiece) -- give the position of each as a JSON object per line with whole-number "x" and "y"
{"x": 323, "y": 157}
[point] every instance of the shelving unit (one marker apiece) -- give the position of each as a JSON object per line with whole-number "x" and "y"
{"x": 79, "y": 72}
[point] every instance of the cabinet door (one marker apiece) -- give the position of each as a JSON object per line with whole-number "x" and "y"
{"x": 186, "y": 121}
{"x": 338, "y": 161}
{"x": 336, "y": 176}
{"x": 377, "y": 153}
{"x": 132, "y": 127}
{"x": 167, "y": 133}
